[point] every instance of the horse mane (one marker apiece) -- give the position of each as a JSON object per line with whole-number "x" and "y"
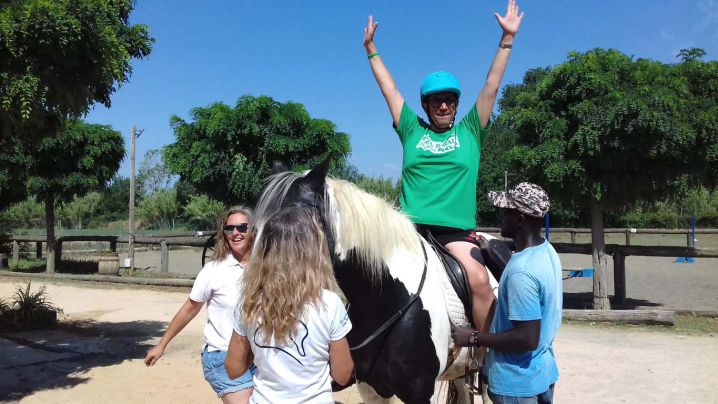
{"x": 369, "y": 225}
{"x": 359, "y": 221}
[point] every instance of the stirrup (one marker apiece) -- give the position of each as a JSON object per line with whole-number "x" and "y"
{"x": 472, "y": 381}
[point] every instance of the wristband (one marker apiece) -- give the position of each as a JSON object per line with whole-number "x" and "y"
{"x": 505, "y": 46}
{"x": 371, "y": 55}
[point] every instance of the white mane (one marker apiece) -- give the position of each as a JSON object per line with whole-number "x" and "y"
{"x": 370, "y": 226}
{"x": 359, "y": 221}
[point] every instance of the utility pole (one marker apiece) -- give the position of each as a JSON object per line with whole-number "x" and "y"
{"x": 506, "y": 180}
{"x": 131, "y": 220}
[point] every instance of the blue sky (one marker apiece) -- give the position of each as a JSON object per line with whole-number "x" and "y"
{"x": 311, "y": 52}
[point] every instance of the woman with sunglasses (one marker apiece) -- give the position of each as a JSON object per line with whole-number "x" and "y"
{"x": 216, "y": 285}
{"x": 441, "y": 160}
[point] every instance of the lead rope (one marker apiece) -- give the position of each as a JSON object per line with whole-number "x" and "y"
{"x": 401, "y": 312}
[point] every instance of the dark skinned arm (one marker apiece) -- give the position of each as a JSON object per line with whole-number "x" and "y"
{"x": 523, "y": 337}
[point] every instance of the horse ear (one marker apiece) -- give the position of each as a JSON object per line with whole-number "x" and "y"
{"x": 318, "y": 174}
{"x": 278, "y": 167}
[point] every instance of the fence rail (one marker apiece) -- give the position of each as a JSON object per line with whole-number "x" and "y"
{"x": 618, "y": 251}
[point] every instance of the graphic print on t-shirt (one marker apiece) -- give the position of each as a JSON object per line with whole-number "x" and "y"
{"x": 297, "y": 349}
{"x": 434, "y": 147}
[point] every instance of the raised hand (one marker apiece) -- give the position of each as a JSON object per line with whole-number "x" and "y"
{"x": 369, "y": 31}
{"x": 511, "y": 21}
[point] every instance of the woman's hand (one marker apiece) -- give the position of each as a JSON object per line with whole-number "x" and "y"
{"x": 511, "y": 21}
{"x": 153, "y": 355}
{"x": 369, "y": 31}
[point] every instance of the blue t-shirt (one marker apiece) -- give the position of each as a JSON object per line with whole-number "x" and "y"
{"x": 530, "y": 289}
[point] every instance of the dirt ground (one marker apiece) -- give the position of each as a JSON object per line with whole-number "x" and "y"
{"x": 96, "y": 355}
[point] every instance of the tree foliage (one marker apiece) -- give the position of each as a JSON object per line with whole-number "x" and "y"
{"x": 83, "y": 158}
{"x": 227, "y": 152}
{"x": 160, "y": 210}
{"x": 153, "y": 175}
{"x": 79, "y": 211}
{"x": 57, "y": 59}
{"x": 25, "y": 214}
{"x": 202, "y": 212}
{"x": 607, "y": 128}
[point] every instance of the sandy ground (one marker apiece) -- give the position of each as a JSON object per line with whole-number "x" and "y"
{"x": 96, "y": 356}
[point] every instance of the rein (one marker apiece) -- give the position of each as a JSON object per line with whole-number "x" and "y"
{"x": 393, "y": 319}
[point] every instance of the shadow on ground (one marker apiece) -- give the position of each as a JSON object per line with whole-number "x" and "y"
{"x": 59, "y": 357}
{"x": 584, "y": 300}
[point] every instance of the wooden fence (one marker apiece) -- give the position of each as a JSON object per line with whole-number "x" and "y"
{"x": 618, "y": 251}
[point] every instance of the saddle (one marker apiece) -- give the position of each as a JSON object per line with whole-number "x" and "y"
{"x": 494, "y": 255}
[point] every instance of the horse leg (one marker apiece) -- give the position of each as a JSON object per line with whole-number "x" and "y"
{"x": 369, "y": 396}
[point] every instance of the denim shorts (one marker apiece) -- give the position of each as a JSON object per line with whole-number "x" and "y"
{"x": 216, "y": 374}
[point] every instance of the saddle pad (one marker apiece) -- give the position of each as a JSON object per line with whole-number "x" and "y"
{"x": 454, "y": 307}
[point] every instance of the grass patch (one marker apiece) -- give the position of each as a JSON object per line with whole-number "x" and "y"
{"x": 685, "y": 325}
{"x": 28, "y": 265}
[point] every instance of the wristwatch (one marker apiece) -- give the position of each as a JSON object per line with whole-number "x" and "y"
{"x": 474, "y": 339}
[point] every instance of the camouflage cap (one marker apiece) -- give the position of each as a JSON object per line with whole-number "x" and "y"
{"x": 529, "y": 199}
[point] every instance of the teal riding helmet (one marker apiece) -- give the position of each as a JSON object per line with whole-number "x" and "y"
{"x": 440, "y": 81}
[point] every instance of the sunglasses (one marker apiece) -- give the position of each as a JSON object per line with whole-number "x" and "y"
{"x": 229, "y": 228}
{"x": 437, "y": 101}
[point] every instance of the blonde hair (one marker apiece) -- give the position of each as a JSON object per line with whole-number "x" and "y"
{"x": 288, "y": 270}
{"x": 221, "y": 246}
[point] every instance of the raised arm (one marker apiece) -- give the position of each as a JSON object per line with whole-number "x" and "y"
{"x": 386, "y": 83}
{"x": 510, "y": 26}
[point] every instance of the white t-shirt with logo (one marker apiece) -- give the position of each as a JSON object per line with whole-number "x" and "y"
{"x": 218, "y": 285}
{"x": 298, "y": 372}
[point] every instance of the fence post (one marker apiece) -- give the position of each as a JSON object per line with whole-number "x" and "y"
{"x": 38, "y": 249}
{"x": 164, "y": 256}
{"x": 619, "y": 276}
{"x": 113, "y": 245}
{"x": 15, "y": 252}
{"x": 689, "y": 242}
{"x": 573, "y": 236}
{"x": 98, "y": 246}
{"x": 628, "y": 236}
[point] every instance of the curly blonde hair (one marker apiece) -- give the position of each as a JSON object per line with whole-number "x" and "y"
{"x": 221, "y": 246}
{"x": 289, "y": 268}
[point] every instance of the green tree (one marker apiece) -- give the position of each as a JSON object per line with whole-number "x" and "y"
{"x": 382, "y": 187}
{"x": 153, "y": 175}
{"x": 57, "y": 59}
{"x": 83, "y": 158}
{"x": 203, "y": 211}
{"x": 28, "y": 213}
{"x": 81, "y": 208}
{"x": 227, "y": 152}
{"x": 115, "y": 199}
{"x": 160, "y": 210}
{"x": 602, "y": 131}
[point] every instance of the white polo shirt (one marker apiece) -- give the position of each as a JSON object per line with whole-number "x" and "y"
{"x": 218, "y": 285}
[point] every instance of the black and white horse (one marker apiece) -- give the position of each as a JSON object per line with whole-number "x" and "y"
{"x": 380, "y": 263}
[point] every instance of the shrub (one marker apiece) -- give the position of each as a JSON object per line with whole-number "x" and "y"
{"x": 29, "y": 309}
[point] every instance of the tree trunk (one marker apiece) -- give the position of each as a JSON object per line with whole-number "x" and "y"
{"x": 50, "y": 229}
{"x": 598, "y": 243}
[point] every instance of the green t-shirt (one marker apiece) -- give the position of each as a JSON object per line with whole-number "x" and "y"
{"x": 440, "y": 170}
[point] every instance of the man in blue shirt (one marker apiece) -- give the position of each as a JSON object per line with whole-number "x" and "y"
{"x": 520, "y": 365}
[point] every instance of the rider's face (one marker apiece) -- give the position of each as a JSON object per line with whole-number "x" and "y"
{"x": 441, "y": 108}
